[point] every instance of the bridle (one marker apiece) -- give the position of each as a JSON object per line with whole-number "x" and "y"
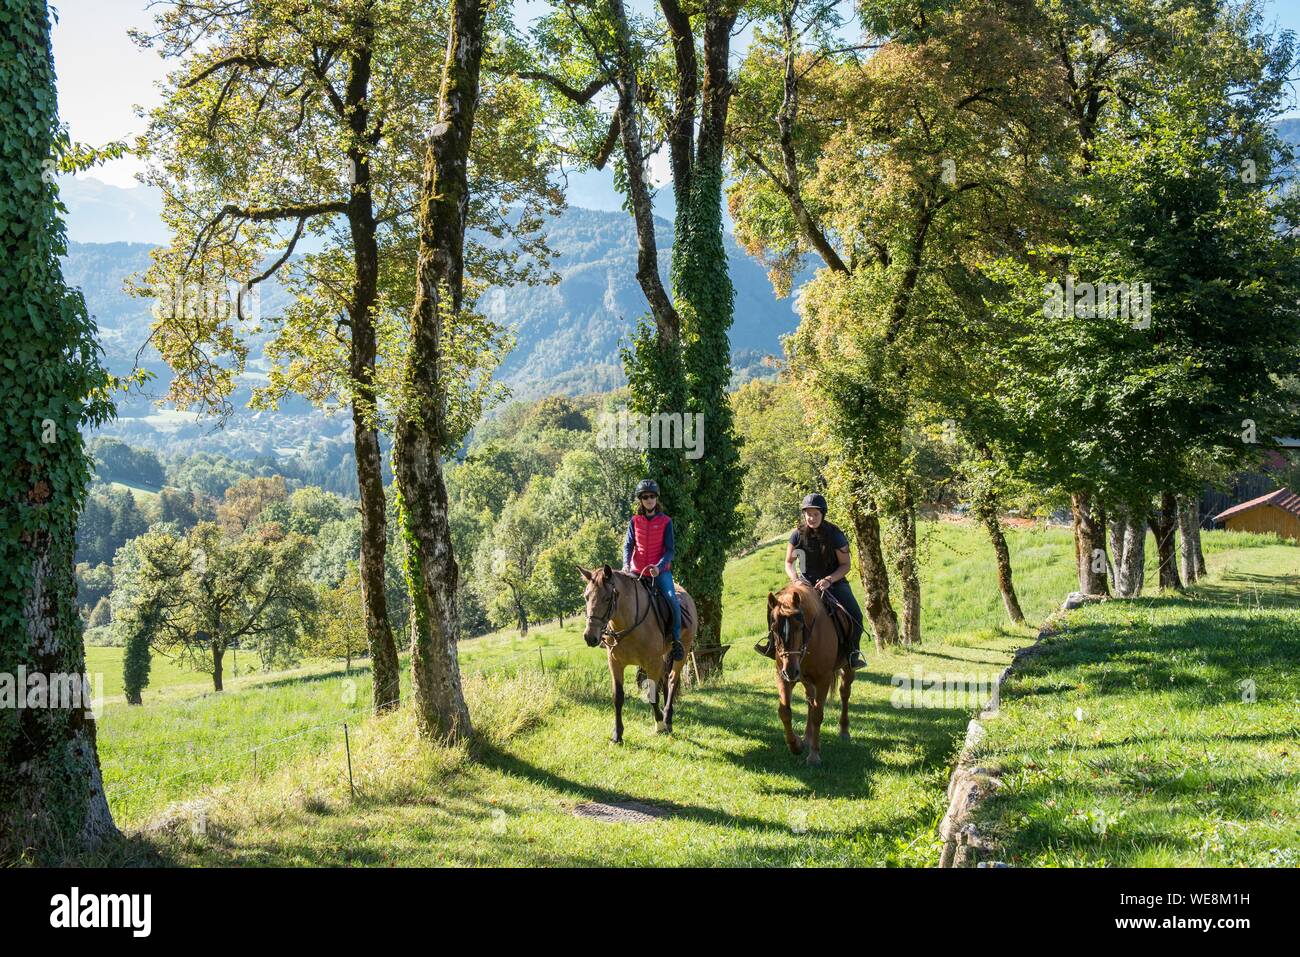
{"x": 608, "y": 636}
{"x": 782, "y": 654}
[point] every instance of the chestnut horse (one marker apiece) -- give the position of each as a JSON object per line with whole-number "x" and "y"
{"x": 620, "y": 617}
{"x": 807, "y": 652}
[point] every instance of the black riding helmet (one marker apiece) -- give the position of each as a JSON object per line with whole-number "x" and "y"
{"x": 647, "y": 485}
{"x": 814, "y": 500}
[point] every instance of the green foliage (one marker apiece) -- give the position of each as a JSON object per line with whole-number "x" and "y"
{"x": 109, "y": 520}
{"x": 1182, "y": 189}
{"x": 341, "y": 629}
{"x": 201, "y": 594}
{"x": 136, "y": 661}
{"x": 322, "y": 133}
{"x": 118, "y": 462}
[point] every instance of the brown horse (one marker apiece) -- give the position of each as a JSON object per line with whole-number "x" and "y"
{"x": 807, "y": 651}
{"x": 620, "y": 617}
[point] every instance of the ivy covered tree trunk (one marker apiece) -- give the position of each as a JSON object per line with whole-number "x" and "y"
{"x": 52, "y": 803}
{"x": 705, "y": 300}
{"x": 874, "y": 575}
{"x": 431, "y": 568}
{"x": 987, "y": 512}
{"x": 1089, "y": 544}
{"x": 136, "y": 662}
{"x": 1164, "y": 522}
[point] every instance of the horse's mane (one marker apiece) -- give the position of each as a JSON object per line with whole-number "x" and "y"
{"x": 805, "y": 592}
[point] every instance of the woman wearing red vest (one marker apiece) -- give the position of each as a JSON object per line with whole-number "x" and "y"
{"x": 649, "y": 548}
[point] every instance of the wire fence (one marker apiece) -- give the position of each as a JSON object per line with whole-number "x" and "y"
{"x": 118, "y": 793}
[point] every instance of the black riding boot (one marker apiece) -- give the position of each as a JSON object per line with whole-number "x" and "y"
{"x": 857, "y": 660}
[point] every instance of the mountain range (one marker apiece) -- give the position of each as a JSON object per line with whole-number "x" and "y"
{"x": 568, "y": 334}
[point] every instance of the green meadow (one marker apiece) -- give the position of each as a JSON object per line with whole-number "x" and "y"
{"x": 259, "y": 774}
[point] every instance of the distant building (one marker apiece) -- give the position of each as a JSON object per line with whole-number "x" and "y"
{"x": 1278, "y": 512}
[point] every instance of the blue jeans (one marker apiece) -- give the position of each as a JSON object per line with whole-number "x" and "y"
{"x": 664, "y": 582}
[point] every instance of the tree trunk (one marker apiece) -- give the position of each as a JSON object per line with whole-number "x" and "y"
{"x": 1189, "y": 534}
{"x": 431, "y": 564}
{"x": 387, "y": 684}
{"x": 989, "y": 516}
{"x": 1164, "y": 522}
{"x": 874, "y": 575}
{"x": 706, "y": 302}
{"x": 521, "y": 613}
{"x": 1089, "y": 544}
{"x": 1131, "y": 560}
{"x": 1116, "y": 529}
{"x": 218, "y": 655}
{"x": 52, "y": 803}
{"x": 905, "y": 563}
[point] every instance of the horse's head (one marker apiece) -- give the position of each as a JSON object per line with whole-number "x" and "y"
{"x": 601, "y": 598}
{"x": 786, "y": 624}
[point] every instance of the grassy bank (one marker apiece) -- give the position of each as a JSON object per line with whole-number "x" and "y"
{"x": 1163, "y": 731}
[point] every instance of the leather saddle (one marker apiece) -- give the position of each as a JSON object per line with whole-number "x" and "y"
{"x": 659, "y": 605}
{"x": 840, "y": 618}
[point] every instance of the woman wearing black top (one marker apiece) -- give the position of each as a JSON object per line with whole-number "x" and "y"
{"x": 824, "y": 550}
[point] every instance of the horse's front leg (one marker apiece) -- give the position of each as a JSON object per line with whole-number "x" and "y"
{"x": 670, "y": 699}
{"x": 846, "y": 688}
{"x": 784, "y": 689}
{"x": 816, "y": 707}
{"x": 616, "y": 670}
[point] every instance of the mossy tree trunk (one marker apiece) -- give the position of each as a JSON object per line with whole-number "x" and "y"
{"x": 431, "y": 569}
{"x": 874, "y": 576}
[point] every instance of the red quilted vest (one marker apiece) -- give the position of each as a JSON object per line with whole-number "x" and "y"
{"x": 649, "y": 546}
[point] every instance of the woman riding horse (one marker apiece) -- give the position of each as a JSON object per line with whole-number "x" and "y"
{"x": 620, "y": 615}
{"x": 648, "y": 549}
{"x": 807, "y": 652}
{"x": 825, "y": 552}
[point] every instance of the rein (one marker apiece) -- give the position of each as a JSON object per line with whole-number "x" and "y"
{"x": 609, "y": 636}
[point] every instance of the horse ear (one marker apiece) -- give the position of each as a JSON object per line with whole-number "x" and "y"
{"x": 771, "y": 601}
{"x": 583, "y": 572}
{"x": 607, "y": 570}
{"x": 794, "y": 598}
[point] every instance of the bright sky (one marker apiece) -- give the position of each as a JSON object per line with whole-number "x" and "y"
{"x": 103, "y": 76}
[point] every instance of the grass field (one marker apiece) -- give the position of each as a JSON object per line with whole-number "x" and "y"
{"x": 144, "y": 495}
{"x": 728, "y": 790}
{"x": 1160, "y": 731}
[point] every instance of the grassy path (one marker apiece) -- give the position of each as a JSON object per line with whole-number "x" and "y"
{"x": 729, "y": 791}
